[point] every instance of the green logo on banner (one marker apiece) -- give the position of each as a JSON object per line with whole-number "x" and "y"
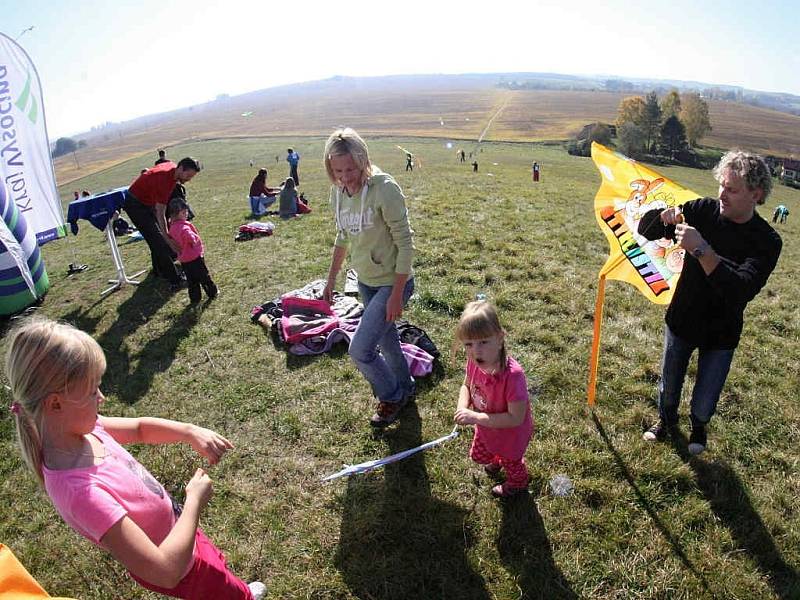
{"x": 26, "y": 98}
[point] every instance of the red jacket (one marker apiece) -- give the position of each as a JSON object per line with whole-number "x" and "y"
{"x": 155, "y": 185}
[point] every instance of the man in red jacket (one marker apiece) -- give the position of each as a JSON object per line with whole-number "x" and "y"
{"x": 146, "y": 204}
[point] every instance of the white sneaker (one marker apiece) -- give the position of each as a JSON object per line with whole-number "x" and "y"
{"x": 258, "y": 589}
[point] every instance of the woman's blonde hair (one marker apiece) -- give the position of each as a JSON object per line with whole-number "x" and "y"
{"x": 45, "y": 357}
{"x": 478, "y": 321}
{"x": 346, "y": 141}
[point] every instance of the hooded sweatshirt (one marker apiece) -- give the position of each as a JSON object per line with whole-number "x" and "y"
{"x": 374, "y": 225}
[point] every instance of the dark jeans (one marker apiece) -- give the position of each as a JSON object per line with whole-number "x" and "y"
{"x": 197, "y": 275}
{"x": 293, "y": 174}
{"x": 144, "y": 217}
{"x": 712, "y": 371}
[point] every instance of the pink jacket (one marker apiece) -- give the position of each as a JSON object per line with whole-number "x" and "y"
{"x": 186, "y": 236}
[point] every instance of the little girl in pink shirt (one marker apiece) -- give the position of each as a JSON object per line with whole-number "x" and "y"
{"x": 192, "y": 252}
{"x": 99, "y": 489}
{"x": 494, "y": 398}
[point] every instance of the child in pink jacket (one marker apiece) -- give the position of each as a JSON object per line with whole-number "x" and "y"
{"x": 191, "y": 251}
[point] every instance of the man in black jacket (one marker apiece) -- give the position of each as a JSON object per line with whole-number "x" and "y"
{"x": 730, "y": 253}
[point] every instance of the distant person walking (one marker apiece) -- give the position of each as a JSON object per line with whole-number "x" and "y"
{"x": 162, "y": 157}
{"x": 293, "y": 158}
{"x": 462, "y": 156}
{"x": 781, "y": 212}
{"x": 146, "y": 204}
{"x": 409, "y": 161}
{"x": 474, "y": 166}
{"x": 535, "y": 171}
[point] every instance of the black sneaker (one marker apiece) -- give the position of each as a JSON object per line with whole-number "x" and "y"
{"x": 177, "y": 286}
{"x": 660, "y": 431}
{"x": 698, "y": 440}
{"x": 492, "y": 469}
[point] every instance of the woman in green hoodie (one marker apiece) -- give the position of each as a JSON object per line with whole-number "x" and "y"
{"x": 372, "y": 221}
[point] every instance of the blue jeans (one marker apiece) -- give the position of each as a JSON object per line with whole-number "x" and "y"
{"x": 259, "y": 204}
{"x": 375, "y": 347}
{"x": 712, "y": 371}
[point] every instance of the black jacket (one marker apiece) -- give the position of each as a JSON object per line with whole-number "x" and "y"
{"x": 708, "y": 310}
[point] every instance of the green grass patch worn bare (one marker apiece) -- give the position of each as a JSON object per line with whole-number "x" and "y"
{"x": 644, "y": 521}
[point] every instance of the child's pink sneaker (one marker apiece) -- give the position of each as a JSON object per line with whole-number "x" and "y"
{"x": 506, "y": 491}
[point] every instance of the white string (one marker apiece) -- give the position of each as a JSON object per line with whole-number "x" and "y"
{"x": 371, "y": 465}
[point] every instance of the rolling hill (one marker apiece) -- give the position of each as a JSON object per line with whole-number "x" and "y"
{"x": 457, "y": 107}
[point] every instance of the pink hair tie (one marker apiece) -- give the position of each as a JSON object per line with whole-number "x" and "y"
{"x": 15, "y": 408}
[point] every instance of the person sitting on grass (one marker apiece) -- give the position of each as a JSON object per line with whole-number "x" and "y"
{"x": 494, "y": 398}
{"x": 261, "y": 195}
{"x": 97, "y": 487}
{"x": 191, "y": 255}
{"x": 291, "y": 205}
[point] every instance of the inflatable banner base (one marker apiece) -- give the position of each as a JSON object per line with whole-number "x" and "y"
{"x": 18, "y": 300}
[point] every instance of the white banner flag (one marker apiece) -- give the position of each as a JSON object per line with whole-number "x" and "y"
{"x": 30, "y": 209}
{"x": 25, "y": 163}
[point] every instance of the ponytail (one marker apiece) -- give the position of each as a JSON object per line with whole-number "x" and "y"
{"x": 46, "y": 357}
{"x": 29, "y": 441}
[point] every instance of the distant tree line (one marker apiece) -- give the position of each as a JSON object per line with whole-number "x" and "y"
{"x": 65, "y": 145}
{"x": 670, "y": 127}
{"x": 664, "y": 130}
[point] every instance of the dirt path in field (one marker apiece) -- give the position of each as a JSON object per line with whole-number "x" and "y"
{"x": 494, "y": 116}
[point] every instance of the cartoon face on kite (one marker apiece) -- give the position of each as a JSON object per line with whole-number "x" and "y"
{"x": 674, "y": 259}
{"x": 635, "y": 206}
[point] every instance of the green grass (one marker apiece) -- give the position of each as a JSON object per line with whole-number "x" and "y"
{"x": 644, "y": 521}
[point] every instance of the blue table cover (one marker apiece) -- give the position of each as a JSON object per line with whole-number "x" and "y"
{"x": 96, "y": 209}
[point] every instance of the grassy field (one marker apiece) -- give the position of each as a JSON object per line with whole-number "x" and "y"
{"x": 457, "y": 110}
{"x": 644, "y": 521}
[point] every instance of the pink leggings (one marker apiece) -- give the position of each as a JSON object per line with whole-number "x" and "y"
{"x": 209, "y": 576}
{"x": 516, "y": 471}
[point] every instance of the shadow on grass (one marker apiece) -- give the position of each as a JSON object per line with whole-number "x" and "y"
{"x": 645, "y": 504}
{"x": 730, "y": 501}
{"x": 131, "y": 383}
{"x": 526, "y": 552}
{"x": 396, "y": 540}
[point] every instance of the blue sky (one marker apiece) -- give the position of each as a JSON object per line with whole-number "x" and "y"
{"x": 111, "y": 61}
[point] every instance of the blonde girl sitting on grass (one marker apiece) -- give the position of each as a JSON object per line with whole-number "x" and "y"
{"x": 494, "y": 398}
{"x": 99, "y": 489}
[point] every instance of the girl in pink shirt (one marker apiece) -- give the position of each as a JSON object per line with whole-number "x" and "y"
{"x": 99, "y": 489}
{"x": 494, "y": 398}
{"x": 192, "y": 251}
